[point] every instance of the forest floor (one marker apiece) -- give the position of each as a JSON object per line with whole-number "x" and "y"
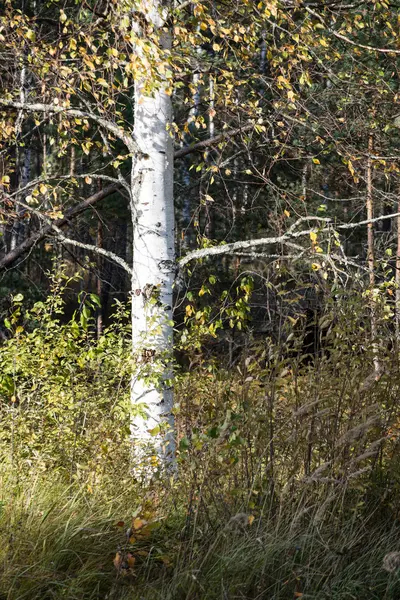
{"x": 68, "y": 542}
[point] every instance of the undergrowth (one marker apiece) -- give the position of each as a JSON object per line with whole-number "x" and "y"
{"x": 59, "y": 541}
{"x": 287, "y": 482}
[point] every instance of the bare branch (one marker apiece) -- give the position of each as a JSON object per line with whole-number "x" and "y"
{"x": 54, "y": 227}
{"x": 107, "y": 253}
{"x": 125, "y": 137}
{"x": 199, "y": 146}
{"x": 291, "y": 233}
{"x": 302, "y": 256}
{"x": 344, "y": 38}
{"x": 245, "y": 244}
{"x": 48, "y": 178}
{"x": 39, "y": 235}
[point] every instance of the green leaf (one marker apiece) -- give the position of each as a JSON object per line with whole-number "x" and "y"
{"x": 155, "y": 431}
{"x": 95, "y": 299}
{"x": 184, "y": 444}
{"x": 30, "y": 35}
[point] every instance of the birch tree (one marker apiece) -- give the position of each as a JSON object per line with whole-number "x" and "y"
{"x": 102, "y": 79}
{"x": 152, "y": 212}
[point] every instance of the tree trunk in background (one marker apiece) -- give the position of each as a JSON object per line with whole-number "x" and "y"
{"x": 187, "y": 225}
{"x": 23, "y": 157}
{"x": 398, "y": 275}
{"x": 24, "y": 174}
{"x": 153, "y": 260}
{"x": 209, "y": 229}
{"x": 370, "y": 253}
{"x": 3, "y": 221}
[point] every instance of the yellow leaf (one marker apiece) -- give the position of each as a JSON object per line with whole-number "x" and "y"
{"x": 88, "y": 180}
{"x": 125, "y": 22}
{"x": 86, "y": 147}
{"x": 251, "y": 519}
{"x": 287, "y": 213}
{"x": 316, "y": 161}
{"x": 63, "y": 16}
{"x": 30, "y": 35}
{"x": 315, "y": 266}
{"x": 43, "y": 188}
{"x": 139, "y": 523}
{"x": 130, "y": 560}
{"x": 313, "y": 236}
{"x": 55, "y": 214}
{"x": 117, "y": 560}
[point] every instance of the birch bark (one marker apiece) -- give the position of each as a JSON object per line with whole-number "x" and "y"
{"x": 153, "y": 257}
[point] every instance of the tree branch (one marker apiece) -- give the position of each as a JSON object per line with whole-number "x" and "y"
{"x": 125, "y": 137}
{"x": 290, "y": 234}
{"x": 48, "y": 178}
{"x": 39, "y": 235}
{"x": 107, "y": 253}
{"x": 212, "y": 141}
{"x": 344, "y": 38}
{"x": 54, "y": 227}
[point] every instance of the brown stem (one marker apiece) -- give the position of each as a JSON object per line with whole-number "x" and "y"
{"x": 370, "y": 253}
{"x": 99, "y": 274}
{"x": 370, "y": 216}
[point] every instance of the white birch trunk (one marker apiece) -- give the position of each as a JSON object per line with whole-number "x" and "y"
{"x": 23, "y": 163}
{"x": 153, "y": 265}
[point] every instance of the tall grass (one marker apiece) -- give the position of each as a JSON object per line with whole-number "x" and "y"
{"x": 59, "y": 541}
